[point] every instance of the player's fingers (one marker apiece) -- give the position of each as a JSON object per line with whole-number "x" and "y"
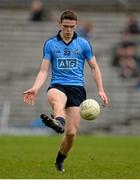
{"x": 103, "y": 103}
{"x": 32, "y": 102}
{"x": 105, "y": 100}
{"x": 27, "y": 99}
{"x": 29, "y": 91}
{"x": 26, "y": 92}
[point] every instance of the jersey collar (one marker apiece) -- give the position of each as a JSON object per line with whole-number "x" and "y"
{"x": 59, "y": 38}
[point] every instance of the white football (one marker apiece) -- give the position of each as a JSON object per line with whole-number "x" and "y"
{"x": 89, "y": 109}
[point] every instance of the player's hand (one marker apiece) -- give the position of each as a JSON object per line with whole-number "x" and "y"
{"x": 104, "y": 98}
{"x": 29, "y": 96}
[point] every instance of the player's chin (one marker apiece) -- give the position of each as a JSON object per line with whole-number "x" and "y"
{"x": 68, "y": 35}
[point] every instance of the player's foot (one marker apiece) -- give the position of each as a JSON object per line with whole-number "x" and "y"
{"x": 59, "y": 166}
{"x": 52, "y": 123}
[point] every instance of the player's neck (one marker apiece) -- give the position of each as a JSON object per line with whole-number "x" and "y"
{"x": 66, "y": 39}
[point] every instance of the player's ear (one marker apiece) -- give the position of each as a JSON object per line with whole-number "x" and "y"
{"x": 76, "y": 25}
{"x": 60, "y": 24}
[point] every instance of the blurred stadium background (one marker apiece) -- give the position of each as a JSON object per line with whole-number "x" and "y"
{"x": 21, "y": 42}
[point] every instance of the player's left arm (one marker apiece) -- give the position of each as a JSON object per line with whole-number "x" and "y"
{"x": 98, "y": 78}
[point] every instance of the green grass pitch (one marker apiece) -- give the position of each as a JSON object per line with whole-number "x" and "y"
{"x": 92, "y": 157}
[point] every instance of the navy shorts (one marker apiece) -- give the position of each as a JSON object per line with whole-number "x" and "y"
{"x": 75, "y": 94}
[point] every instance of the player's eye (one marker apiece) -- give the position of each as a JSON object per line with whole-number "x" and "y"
{"x": 68, "y": 26}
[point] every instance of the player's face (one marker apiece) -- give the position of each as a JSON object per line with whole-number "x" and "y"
{"x": 67, "y": 27}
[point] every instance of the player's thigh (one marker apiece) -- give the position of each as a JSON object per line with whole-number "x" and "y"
{"x": 56, "y": 97}
{"x": 72, "y": 120}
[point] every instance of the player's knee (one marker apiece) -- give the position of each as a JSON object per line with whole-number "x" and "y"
{"x": 70, "y": 135}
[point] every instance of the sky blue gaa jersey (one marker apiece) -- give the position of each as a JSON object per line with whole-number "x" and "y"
{"x": 67, "y": 60}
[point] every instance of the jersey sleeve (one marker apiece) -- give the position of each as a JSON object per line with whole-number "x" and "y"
{"x": 47, "y": 54}
{"x": 88, "y": 51}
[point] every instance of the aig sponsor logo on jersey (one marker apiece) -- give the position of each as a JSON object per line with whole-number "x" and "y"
{"x": 67, "y": 63}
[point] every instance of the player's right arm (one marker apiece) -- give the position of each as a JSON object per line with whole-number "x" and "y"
{"x": 30, "y": 94}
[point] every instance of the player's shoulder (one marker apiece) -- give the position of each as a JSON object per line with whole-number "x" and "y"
{"x": 83, "y": 40}
{"x": 80, "y": 38}
{"x": 50, "y": 39}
